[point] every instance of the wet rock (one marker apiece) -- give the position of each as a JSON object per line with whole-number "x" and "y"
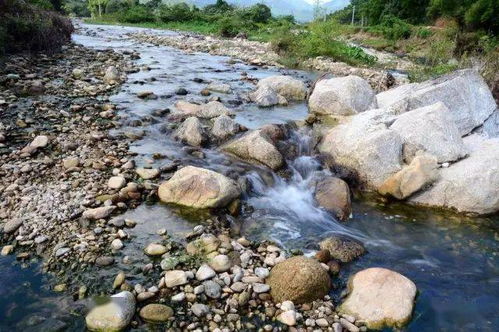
{"x": 298, "y": 279}
{"x": 104, "y": 261}
{"x": 112, "y": 75}
{"x": 212, "y": 110}
{"x": 156, "y": 313}
{"x": 181, "y": 92}
{"x": 147, "y": 173}
{"x": 7, "y": 250}
{"x": 265, "y": 96}
{"x": 146, "y": 95}
{"x": 286, "y": 86}
{"x": 464, "y": 92}
{"x": 380, "y": 297}
{"x": 342, "y": 248}
{"x": 256, "y": 147}
{"x": 198, "y": 188}
{"x": 422, "y": 172}
{"x": 114, "y": 315}
{"x": 430, "y": 129}
{"x": 155, "y": 249}
{"x": 342, "y": 96}
{"x": 219, "y": 87}
{"x": 98, "y": 213}
{"x": 191, "y": 131}
{"x": 333, "y": 194}
{"x": 224, "y": 127}
{"x": 116, "y": 244}
{"x": 119, "y": 280}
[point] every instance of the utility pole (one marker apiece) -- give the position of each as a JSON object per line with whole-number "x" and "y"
{"x": 353, "y": 14}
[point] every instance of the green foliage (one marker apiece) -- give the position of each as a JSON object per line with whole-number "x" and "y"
{"x": 423, "y": 32}
{"x": 76, "y": 8}
{"x": 229, "y": 27}
{"x": 258, "y": 13}
{"x": 220, "y": 7}
{"x": 180, "y": 12}
{"x": 137, "y": 14}
{"x": 394, "y": 28}
{"x": 30, "y": 28}
{"x": 319, "y": 40}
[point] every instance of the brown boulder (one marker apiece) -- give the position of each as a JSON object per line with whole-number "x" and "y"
{"x": 333, "y": 195}
{"x": 299, "y": 279}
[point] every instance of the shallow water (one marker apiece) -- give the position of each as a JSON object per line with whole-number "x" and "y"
{"x": 453, "y": 263}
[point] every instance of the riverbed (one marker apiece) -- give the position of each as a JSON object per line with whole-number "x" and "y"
{"x": 453, "y": 260}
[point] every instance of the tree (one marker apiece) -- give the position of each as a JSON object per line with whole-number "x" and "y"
{"x": 219, "y": 7}
{"x": 258, "y": 13}
{"x": 97, "y": 6}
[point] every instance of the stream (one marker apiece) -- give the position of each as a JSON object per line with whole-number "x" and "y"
{"x": 453, "y": 262}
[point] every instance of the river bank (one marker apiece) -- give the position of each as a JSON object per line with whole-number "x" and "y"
{"x": 145, "y": 131}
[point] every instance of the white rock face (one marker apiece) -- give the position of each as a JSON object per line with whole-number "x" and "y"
{"x": 380, "y": 297}
{"x": 265, "y": 96}
{"x": 366, "y": 145}
{"x": 224, "y": 127}
{"x": 256, "y": 147}
{"x": 342, "y": 96}
{"x": 430, "y": 129}
{"x": 422, "y": 171}
{"x": 114, "y": 315}
{"x": 286, "y": 86}
{"x": 198, "y": 188}
{"x": 470, "y": 185}
{"x": 191, "y": 132}
{"x": 464, "y": 92}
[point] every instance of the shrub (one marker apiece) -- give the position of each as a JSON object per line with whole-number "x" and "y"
{"x": 180, "y": 12}
{"x": 423, "y": 33}
{"x": 394, "y": 28}
{"x": 258, "y": 13}
{"x": 229, "y": 27}
{"x": 27, "y": 28}
{"x": 137, "y": 14}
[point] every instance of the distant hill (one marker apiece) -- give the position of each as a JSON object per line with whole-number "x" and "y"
{"x": 335, "y": 5}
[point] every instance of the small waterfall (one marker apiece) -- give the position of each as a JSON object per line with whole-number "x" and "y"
{"x": 286, "y": 210}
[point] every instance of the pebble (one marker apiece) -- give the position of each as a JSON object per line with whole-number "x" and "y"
{"x": 175, "y": 278}
{"x": 262, "y": 272}
{"x": 117, "y": 244}
{"x": 220, "y": 263}
{"x": 156, "y": 312}
{"x": 212, "y": 289}
{"x": 200, "y": 310}
{"x": 155, "y": 249}
{"x": 260, "y": 288}
{"x": 205, "y": 272}
{"x": 7, "y": 250}
{"x": 288, "y": 318}
{"x": 349, "y": 326}
{"x": 116, "y": 182}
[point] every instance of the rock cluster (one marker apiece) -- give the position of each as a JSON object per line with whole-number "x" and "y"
{"x": 419, "y": 146}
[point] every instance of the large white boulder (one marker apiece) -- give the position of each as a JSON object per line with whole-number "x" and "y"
{"x": 432, "y": 130}
{"x": 464, "y": 92}
{"x": 342, "y": 96}
{"x": 198, "y": 188}
{"x": 470, "y": 185}
{"x": 256, "y": 147}
{"x": 286, "y": 86}
{"x": 114, "y": 315}
{"x": 366, "y": 145}
{"x": 380, "y": 297}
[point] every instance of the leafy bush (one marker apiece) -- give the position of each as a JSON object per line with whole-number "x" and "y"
{"x": 137, "y": 14}
{"x": 180, "y": 12}
{"x": 423, "y": 33}
{"x": 258, "y": 13}
{"x": 229, "y": 27}
{"x": 27, "y": 28}
{"x": 394, "y": 28}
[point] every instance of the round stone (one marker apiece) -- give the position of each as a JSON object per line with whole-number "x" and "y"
{"x": 156, "y": 312}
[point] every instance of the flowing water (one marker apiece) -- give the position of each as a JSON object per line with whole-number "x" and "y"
{"x": 454, "y": 262}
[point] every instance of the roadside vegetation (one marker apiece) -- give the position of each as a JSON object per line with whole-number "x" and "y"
{"x": 32, "y": 26}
